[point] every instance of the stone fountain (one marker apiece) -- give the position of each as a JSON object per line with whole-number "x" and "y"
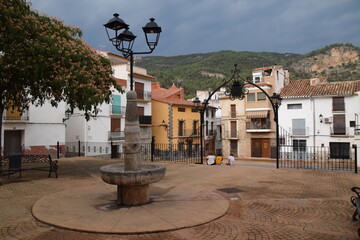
{"x": 132, "y": 178}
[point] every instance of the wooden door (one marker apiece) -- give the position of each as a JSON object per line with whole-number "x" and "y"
{"x": 260, "y": 147}
{"x": 139, "y": 89}
{"x": 256, "y": 147}
{"x": 265, "y": 147}
{"x": 233, "y": 129}
{"x": 115, "y": 124}
{"x": 12, "y": 142}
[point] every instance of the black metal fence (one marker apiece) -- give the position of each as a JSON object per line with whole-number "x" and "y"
{"x": 318, "y": 158}
{"x": 149, "y": 151}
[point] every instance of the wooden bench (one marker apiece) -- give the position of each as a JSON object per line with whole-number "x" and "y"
{"x": 355, "y": 200}
{"x": 18, "y": 163}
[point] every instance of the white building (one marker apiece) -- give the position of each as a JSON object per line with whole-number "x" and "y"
{"x": 107, "y": 128}
{"x": 34, "y": 131}
{"x": 212, "y": 121}
{"x": 321, "y": 114}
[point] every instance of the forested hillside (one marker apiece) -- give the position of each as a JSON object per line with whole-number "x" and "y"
{"x": 337, "y": 62}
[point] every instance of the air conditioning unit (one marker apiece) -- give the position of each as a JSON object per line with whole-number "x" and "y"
{"x": 327, "y": 120}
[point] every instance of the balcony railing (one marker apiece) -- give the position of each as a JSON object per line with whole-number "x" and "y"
{"x": 211, "y": 133}
{"x": 143, "y": 95}
{"x": 339, "y": 131}
{"x": 113, "y": 136}
{"x": 232, "y": 114}
{"x": 115, "y": 109}
{"x": 258, "y": 126}
{"x": 144, "y": 119}
{"x": 231, "y": 134}
{"x": 299, "y": 131}
{"x": 16, "y": 116}
{"x": 189, "y": 133}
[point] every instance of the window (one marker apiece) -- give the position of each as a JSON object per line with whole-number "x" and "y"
{"x": 338, "y": 104}
{"x": 299, "y": 145}
{"x": 340, "y": 150}
{"x": 298, "y": 127}
{"x": 257, "y": 79}
{"x": 116, "y": 104}
{"x": 195, "y": 127}
{"x": 233, "y": 111}
{"x": 207, "y": 127}
{"x": 339, "y": 124}
{"x": 181, "y": 109}
{"x": 261, "y": 96}
{"x": 213, "y": 113}
{"x": 181, "y": 127}
{"x": 194, "y": 110}
{"x": 251, "y": 97}
{"x": 352, "y": 124}
{"x": 294, "y": 106}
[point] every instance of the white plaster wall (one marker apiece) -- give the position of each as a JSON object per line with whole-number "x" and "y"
{"x": 44, "y": 134}
{"x": 46, "y": 113}
{"x": 319, "y": 133}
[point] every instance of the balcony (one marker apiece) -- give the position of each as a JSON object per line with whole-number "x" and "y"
{"x": 299, "y": 132}
{"x": 15, "y": 116}
{"x": 211, "y": 133}
{"x": 117, "y": 110}
{"x": 114, "y": 136}
{"x": 145, "y": 120}
{"x": 143, "y": 95}
{"x": 231, "y": 135}
{"x": 189, "y": 133}
{"x": 232, "y": 114}
{"x": 258, "y": 126}
{"x": 341, "y": 131}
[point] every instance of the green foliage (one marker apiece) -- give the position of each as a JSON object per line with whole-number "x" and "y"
{"x": 186, "y": 70}
{"x": 41, "y": 59}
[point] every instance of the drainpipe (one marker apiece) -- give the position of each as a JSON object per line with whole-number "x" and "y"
{"x": 314, "y": 129}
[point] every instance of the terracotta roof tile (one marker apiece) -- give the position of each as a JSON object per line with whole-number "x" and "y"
{"x": 303, "y": 88}
{"x": 173, "y": 95}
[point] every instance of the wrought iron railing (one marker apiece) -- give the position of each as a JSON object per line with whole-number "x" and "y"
{"x": 115, "y": 109}
{"x": 113, "y": 136}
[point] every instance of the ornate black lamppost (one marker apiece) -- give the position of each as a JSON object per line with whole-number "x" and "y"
{"x": 235, "y": 89}
{"x": 124, "y": 41}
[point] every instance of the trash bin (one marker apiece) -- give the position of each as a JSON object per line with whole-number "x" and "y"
{"x": 14, "y": 163}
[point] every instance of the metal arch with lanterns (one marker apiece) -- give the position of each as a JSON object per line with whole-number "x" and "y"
{"x": 124, "y": 41}
{"x": 235, "y": 89}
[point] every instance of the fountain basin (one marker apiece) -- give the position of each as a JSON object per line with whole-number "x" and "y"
{"x": 132, "y": 186}
{"x": 149, "y": 173}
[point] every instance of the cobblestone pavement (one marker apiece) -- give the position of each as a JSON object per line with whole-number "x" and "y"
{"x": 265, "y": 203}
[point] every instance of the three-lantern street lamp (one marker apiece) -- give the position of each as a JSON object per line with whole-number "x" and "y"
{"x": 235, "y": 89}
{"x": 123, "y": 39}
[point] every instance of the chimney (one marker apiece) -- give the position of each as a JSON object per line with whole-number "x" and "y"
{"x": 314, "y": 81}
{"x": 286, "y": 77}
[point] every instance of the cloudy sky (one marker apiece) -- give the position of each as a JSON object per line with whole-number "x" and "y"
{"x": 201, "y": 26}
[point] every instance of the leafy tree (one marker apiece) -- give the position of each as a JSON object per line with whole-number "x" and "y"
{"x": 42, "y": 59}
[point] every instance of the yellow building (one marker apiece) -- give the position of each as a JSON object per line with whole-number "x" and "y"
{"x": 174, "y": 119}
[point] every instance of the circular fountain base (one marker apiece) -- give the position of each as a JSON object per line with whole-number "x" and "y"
{"x": 132, "y": 186}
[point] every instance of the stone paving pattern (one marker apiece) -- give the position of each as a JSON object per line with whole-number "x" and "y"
{"x": 270, "y": 204}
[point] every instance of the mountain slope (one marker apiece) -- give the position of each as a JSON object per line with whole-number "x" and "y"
{"x": 204, "y": 71}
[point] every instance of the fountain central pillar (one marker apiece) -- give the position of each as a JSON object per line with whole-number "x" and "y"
{"x": 132, "y": 178}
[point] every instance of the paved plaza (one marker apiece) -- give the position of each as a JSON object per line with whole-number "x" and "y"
{"x": 261, "y": 202}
